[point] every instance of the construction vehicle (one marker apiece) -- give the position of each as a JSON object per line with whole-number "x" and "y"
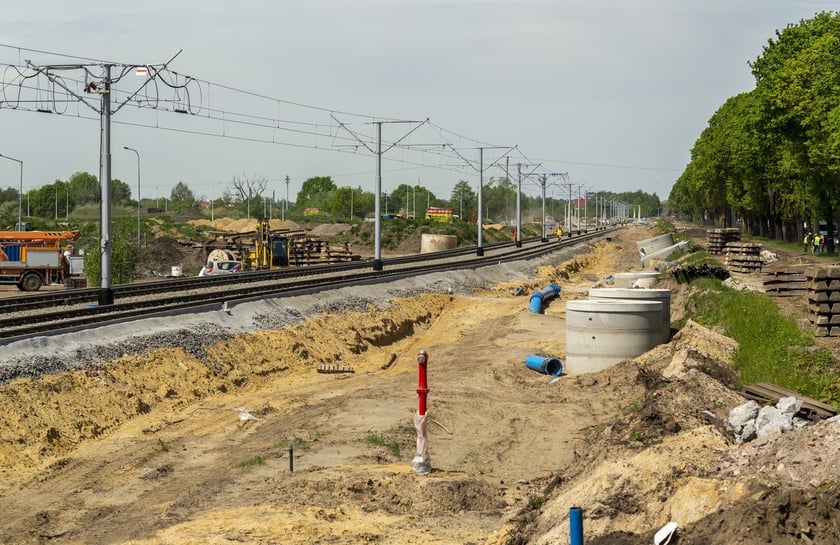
{"x": 30, "y": 259}
{"x": 265, "y": 248}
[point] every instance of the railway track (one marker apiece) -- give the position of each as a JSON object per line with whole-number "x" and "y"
{"x": 74, "y": 310}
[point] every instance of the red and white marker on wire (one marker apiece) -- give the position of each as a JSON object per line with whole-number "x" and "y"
{"x": 422, "y": 463}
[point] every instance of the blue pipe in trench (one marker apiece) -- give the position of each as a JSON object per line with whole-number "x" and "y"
{"x": 539, "y": 297}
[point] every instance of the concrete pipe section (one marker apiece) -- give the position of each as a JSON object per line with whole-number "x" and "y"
{"x": 603, "y": 332}
{"x": 430, "y": 242}
{"x": 664, "y": 253}
{"x": 635, "y": 279}
{"x": 662, "y": 295}
{"x": 651, "y": 245}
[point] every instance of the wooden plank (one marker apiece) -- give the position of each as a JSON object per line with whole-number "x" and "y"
{"x": 810, "y": 406}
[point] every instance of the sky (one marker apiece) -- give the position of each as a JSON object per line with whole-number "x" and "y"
{"x": 612, "y": 95}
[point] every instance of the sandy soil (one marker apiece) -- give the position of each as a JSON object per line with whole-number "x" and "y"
{"x": 149, "y": 450}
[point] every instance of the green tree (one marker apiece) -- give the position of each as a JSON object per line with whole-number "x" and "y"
{"x": 500, "y": 199}
{"x": 41, "y": 201}
{"x": 125, "y": 254}
{"x": 181, "y": 197}
{"x": 120, "y": 191}
{"x": 84, "y": 188}
{"x": 463, "y": 199}
{"x": 772, "y": 156}
{"x": 316, "y": 192}
{"x": 341, "y": 202}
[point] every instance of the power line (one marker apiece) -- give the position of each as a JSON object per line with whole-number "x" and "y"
{"x": 609, "y": 165}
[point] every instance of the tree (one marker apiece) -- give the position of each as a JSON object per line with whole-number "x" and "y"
{"x": 313, "y": 190}
{"x": 463, "y": 198}
{"x": 125, "y": 254}
{"x": 317, "y": 192}
{"x": 120, "y": 191}
{"x": 182, "y": 197}
{"x": 247, "y": 189}
{"x": 340, "y": 204}
{"x": 84, "y": 188}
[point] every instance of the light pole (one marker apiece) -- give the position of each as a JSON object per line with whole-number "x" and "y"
{"x": 137, "y": 153}
{"x": 286, "y": 202}
{"x": 20, "y": 192}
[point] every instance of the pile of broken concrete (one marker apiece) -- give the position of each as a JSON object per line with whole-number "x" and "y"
{"x": 749, "y": 420}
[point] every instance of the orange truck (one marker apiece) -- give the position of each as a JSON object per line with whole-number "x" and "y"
{"x": 30, "y": 259}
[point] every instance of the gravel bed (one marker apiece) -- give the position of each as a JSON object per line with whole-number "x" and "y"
{"x": 51, "y": 354}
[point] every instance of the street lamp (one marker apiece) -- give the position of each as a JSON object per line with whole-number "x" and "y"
{"x": 20, "y": 192}
{"x": 138, "y": 191}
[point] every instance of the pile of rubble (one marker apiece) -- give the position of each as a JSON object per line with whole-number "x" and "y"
{"x": 749, "y": 420}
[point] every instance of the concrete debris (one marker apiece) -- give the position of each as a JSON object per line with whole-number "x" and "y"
{"x": 663, "y": 536}
{"x": 769, "y": 257}
{"x": 244, "y": 414}
{"x": 734, "y": 284}
{"x": 748, "y": 421}
{"x": 741, "y": 421}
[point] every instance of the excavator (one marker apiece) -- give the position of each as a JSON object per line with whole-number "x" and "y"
{"x": 30, "y": 259}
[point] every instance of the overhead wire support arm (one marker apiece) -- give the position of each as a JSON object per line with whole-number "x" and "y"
{"x": 102, "y": 86}
{"x": 377, "y": 247}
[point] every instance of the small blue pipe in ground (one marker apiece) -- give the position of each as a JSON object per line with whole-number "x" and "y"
{"x": 576, "y": 526}
{"x": 546, "y": 366}
{"x": 538, "y": 297}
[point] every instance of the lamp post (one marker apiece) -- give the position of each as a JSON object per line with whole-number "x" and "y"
{"x": 138, "y": 191}
{"x": 20, "y": 192}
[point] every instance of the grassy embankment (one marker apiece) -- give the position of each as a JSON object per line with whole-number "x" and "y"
{"x": 772, "y": 346}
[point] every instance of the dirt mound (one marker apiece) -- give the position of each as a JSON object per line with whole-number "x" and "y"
{"x": 242, "y": 225}
{"x": 329, "y": 229}
{"x": 159, "y": 255}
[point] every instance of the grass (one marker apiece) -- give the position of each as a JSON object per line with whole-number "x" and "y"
{"x": 700, "y": 257}
{"x": 300, "y": 443}
{"x": 772, "y": 347}
{"x": 161, "y": 446}
{"x": 253, "y": 461}
{"x": 633, "y": 407}
{"x": 382, "y": 441}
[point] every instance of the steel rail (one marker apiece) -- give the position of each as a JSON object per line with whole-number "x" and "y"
{"x": 81, "y": 317}
{"x": 121, "y": 291}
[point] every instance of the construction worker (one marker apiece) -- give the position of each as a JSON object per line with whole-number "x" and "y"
{"x": 807, "y": 241}
{"x": 65, "y": 263}
{"x": 559, "y": 232}
{"x": 816, "y": 243}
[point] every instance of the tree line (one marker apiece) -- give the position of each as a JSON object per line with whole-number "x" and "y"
{"x": 246, "y": 196}
{"x": 769, "y": 159}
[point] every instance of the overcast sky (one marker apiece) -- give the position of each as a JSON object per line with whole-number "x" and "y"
{"x": 614, "y": 93}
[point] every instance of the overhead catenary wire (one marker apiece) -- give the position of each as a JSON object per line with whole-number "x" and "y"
{"x": 191, "y": 95}
{"x": 151, "y": 97}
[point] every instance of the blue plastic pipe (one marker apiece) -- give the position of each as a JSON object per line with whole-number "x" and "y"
{"x": 539, "y": 297}
{"x": 576, "y": 526}
{"x": 546, "y": 366}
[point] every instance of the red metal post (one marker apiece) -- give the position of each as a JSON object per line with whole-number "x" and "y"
{"x": 422, "y": 387}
